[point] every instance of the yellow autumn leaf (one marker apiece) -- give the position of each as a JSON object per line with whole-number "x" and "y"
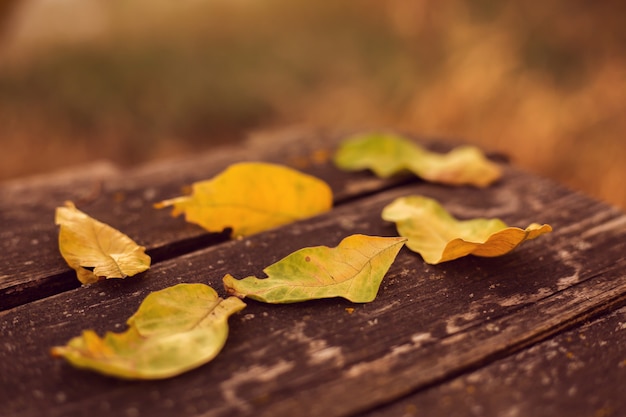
{"x": 352, "y": 270}
{"x": 389, "y": 154}
{"x": 438, "y": 237}
{"x": 252, "y": 197}
{"x": 174, "y": 330}
{"x": 96, "y": 250}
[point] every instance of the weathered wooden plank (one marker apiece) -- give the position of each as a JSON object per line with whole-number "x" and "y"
{"x": 428, "y": 324}
{"x": 28, "y": 236}
{"x": 577, "y": 373}
{"x": 33, "y": 268}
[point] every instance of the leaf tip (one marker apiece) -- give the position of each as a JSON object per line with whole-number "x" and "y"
{"x": 58, "y": 351}
{"x": 535, "y": 230}
{"x": 176, "y": 202}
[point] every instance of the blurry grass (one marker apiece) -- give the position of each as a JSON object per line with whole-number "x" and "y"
{"x": 543, "y": 84}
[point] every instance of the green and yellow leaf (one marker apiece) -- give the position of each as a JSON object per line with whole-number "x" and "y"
{"x": 96, "y": 250}
{"x": 252, "y": 197}
{"x": 174, "y": 330}
{"x": 438, "y": 237}
{"x": 389, "y": 154}
{"x": 352, "y": 270}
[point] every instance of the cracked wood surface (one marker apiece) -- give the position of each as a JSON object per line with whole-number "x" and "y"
{"x": 462, "y": 338}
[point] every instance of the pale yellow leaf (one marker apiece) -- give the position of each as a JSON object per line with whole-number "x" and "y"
{"x": 174, "y": 330}
{"x": 389, "y": 154}
{"x": 438, "y": 237}
{"x": 96, "y": 250}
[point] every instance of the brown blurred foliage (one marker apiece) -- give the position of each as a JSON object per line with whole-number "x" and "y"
{"x": 137, "y": 80}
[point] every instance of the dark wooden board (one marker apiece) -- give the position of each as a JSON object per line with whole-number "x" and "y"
{"x": 577, "y": 373}
{"x": 32, "y": 267}
{"x": 428, "y": 325}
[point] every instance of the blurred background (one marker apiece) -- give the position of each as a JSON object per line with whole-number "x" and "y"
{"x": 138, "y": 80}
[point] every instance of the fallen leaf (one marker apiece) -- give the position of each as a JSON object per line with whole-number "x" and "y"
{"x": 252, "y": 197}
{"x": 438, "y": 237}
{"x": 174, "y": 330}
{"x": 96, "y": 250}
{"x": 388, "y": 154}
{"x": 352, "y": 270}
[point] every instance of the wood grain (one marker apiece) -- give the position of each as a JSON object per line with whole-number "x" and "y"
{"x": 428, "y": 326}
{"x": 580, "y": 372}
{"x": 33, "y": 268}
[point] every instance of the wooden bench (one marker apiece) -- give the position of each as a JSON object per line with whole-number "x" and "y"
{"x": 538, "y": 332}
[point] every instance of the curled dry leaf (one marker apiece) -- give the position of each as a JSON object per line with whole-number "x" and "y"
{"x": 438, "y": 237}
{"x": 352, "y": 270}
{"x": 388, "y": 154}
{"x": 96, "y": 250}
{"x": 252, "y": 197}
{"x": 174, "y": 330}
